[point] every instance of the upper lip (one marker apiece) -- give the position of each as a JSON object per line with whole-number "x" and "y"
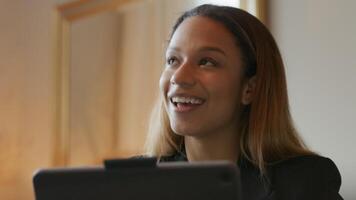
{"x": 186, "y": 95}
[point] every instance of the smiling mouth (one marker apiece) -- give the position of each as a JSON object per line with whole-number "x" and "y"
{"x": 185, "y": 104}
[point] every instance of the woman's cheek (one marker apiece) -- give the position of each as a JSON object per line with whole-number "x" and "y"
{"x": 164, "y": 81}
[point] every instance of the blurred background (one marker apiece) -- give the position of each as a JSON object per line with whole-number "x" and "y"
{"x": 78, "y": 79}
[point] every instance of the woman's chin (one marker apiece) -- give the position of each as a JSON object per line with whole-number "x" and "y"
{"x": 187, "y": 132}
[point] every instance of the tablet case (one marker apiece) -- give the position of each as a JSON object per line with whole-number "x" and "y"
{"x": 140, "y": 179}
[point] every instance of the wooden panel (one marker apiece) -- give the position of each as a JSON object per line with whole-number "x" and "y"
{"x": 93, "y": 88}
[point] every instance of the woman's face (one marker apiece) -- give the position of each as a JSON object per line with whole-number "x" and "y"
{"x": 202, "y": 80}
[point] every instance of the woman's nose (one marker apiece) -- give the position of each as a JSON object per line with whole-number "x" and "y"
{"x": 184, "y": 76}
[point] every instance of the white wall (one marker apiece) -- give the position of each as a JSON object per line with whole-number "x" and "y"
{"x": 317, "y": 39}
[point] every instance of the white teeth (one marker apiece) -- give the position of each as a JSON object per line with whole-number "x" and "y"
{"x": 191, "y": 100}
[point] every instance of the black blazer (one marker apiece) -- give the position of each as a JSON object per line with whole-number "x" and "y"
{"x": 300, "y": 178}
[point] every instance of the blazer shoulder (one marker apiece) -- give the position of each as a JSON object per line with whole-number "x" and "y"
{"x": 309, "y": 163}
{"x": 314, "y": 165}
{"x": 307, "y": 160}
{"x": 311, "y": 174}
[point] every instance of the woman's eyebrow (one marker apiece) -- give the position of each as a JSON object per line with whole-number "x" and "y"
{"x": 177, "y": 49}
{"x": 202, "y": 49}
{"x": 210, "y": 48}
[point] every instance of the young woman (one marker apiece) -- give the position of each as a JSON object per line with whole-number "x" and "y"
{"x": 224, "y": 97}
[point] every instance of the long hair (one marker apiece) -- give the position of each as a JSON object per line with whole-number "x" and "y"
{"x": 267, "y": 133}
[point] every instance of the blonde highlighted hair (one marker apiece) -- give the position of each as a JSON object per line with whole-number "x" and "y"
{"x": 267, "y": 133}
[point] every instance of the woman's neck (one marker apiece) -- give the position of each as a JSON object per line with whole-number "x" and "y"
{"x": 212, "y": 147}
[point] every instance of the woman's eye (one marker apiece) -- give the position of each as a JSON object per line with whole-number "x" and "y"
{"x": 172, "y": 61}
{"x": 207, "y": 62}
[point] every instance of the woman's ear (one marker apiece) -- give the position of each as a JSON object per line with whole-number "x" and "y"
{"x": 248, "y": 91}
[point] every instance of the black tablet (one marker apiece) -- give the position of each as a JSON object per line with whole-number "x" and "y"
{"x": 140, "y": 179}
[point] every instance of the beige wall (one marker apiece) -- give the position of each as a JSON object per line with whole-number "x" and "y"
{"x": 317, "y": 40}
{"x": 26, "y": 94}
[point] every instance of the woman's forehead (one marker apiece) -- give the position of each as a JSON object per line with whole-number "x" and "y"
{"x": 202, "y": 32}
